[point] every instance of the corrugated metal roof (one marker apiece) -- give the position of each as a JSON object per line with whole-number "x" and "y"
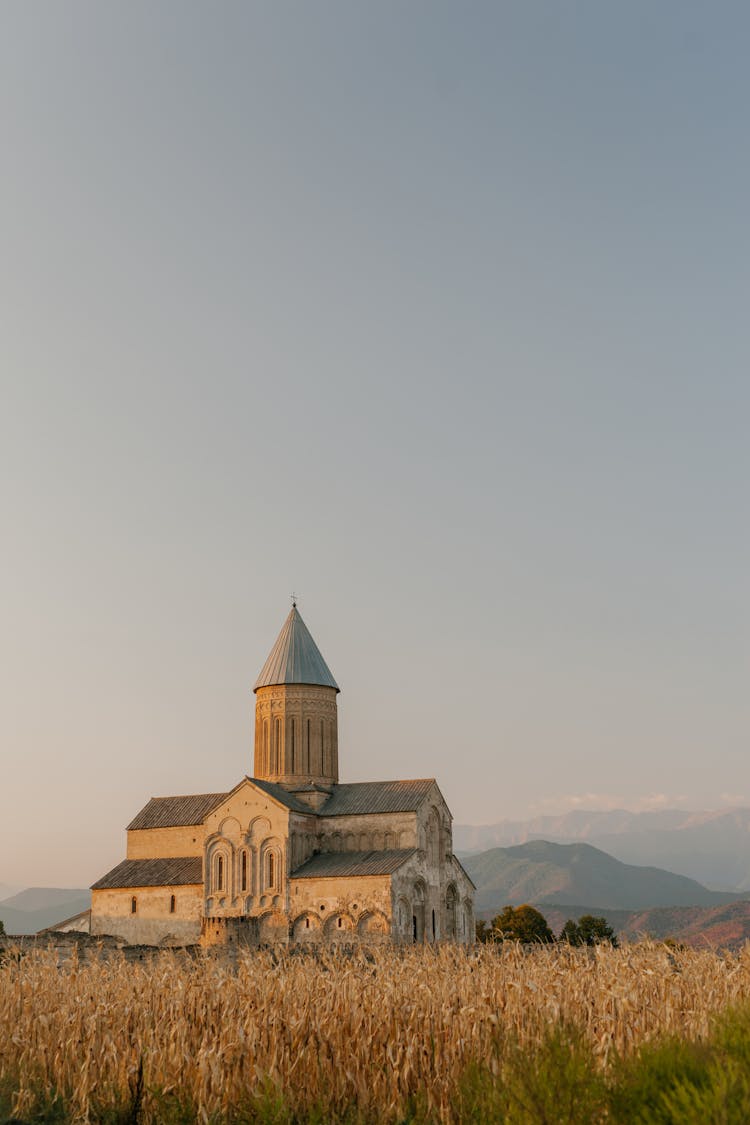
{"x": 282, "y": 795}
{"x": 180, "y": 872}
{"x": 331, "y": 865}
{"x": 172, "y": 812}
{"x": 295, "y": 658}
{"x": 66, "y": 922}
{"x": 377, "y": 797}
{"x": 346, "y": 800}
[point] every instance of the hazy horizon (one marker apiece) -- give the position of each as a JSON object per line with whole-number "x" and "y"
{"x": 434, "y": 314}
{"x": 10, "y": 889}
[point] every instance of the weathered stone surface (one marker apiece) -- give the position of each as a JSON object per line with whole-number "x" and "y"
{"x": 255, "y": 840}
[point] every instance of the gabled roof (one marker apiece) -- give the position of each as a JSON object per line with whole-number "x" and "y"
{"x": 331, "y": 865}
{"x": 460, "y": 865}
{"x": 377, "y": 797}
{"x": 173, "y": 812}
{"x": 180, "y": 872}
{"x": 357, "y": 798}
{"x": 67, "y": 921}
{"x": 295, "y": 658}
{"x": 282, "y": 795}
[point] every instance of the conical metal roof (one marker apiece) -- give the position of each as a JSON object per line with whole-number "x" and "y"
{"x": 295, "y": 658}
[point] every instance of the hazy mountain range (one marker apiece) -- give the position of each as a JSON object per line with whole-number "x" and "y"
{"x": 37, "y": 907}
{"x": 646, "y": 871}
{"x": 711, "y": 847}
{"x": 542, "y": 872}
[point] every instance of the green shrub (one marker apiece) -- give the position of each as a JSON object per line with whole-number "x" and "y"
{"x": 680, "y": 1082}
{"x": 556, "y": 1083}
{"x": 640, "y": 1086}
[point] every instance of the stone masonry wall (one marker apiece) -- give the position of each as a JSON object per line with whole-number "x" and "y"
{"x": 296, "y": 734}
{"x": 364, "y": 833}
{"x": 167, "y": 843}
{"x": 340, "y": 909}
{"x": 152, "y": 923}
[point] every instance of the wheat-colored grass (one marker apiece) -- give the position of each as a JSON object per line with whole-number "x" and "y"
{"x": 373, "y": 1029}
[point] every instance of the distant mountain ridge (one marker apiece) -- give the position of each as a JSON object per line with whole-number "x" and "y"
{"x": 712, "y": 847}
{"x": 542, "y": 872}
{"x": 702, "y": 927}
{"x": 38, "y": 907}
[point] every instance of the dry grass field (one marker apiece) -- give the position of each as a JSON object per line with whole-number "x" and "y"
{"x": 388, "y": 1035}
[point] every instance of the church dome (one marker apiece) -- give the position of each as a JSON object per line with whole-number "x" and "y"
{"x": 295, "y": 658}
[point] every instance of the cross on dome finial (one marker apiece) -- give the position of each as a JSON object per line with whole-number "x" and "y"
{"x": 294, "y": 601}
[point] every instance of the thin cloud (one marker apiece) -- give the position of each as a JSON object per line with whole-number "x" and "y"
{"x": 606, "y": 802}
{"x": 654, "y": 801}
{"x": 569, "y": 801}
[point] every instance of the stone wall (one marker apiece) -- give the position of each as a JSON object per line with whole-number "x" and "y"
{"x": 364, "y": 833}
{"x": 296, "y": 734}
{"x": 246, "y": 855}
{"x": 432, "y": 902}
{"x": 153, "y": 922}
{"x": 340, "y": 909}
{"x": 166, "y": 843}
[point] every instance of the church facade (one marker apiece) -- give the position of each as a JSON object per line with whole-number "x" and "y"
{"x": 290, "y": 854}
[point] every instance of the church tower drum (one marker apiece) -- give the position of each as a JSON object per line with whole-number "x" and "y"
{"x": 296, "y": 730}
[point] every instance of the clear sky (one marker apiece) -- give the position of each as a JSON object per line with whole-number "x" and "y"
{"x": 437, "y": 314}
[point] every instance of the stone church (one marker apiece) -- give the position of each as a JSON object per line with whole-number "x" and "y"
{"x": 290, "y": 854}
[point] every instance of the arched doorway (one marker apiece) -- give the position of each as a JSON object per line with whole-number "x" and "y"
{"x": 418, "y": 911}
{"x": 451, "y": 901}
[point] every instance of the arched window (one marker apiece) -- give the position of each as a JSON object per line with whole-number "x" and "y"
{"x": 309, "y": 753}
{"x": 220, "y": 873}
{"x": 322, "y": 748}
{"x": 292, "y": 746}
{"x": 433, "y": 926}
{"x": 172, "y": 904}
{"x": 450, "y": 912}
{"x": 277, "y": 745}
{"x": 266, "y": 751}
{"x": 433, "y": 839}
{"x": 271, "y": 870}
{"x": 133, "y": 905}
{"x": 243, "y": 872}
